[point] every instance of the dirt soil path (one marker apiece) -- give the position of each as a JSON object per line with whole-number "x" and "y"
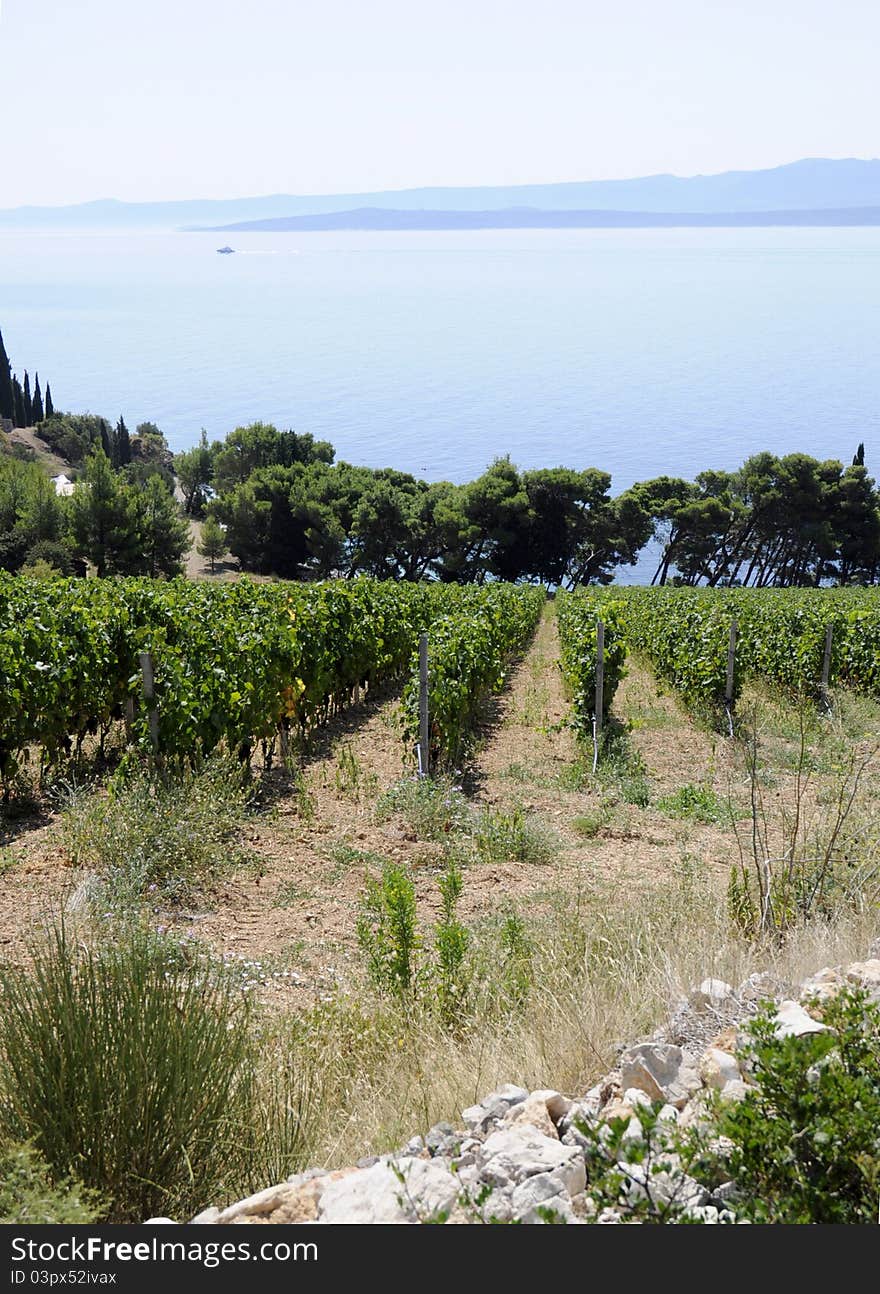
{"x": 295, "y": 913}
{"x": 532, "y": 759}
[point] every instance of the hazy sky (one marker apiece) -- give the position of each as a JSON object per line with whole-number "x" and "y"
{"x": 150, "y": 99}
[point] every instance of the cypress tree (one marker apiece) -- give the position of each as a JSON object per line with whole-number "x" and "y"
{"x": 18, "y": 403}
{"x": 108, "y": 443}
{"x": 123, "y": 444}
{"x": 50, "y": 408}
{"x": 859, "y": 460}
{"x": 7, "y": 394}
{"x": 28, "y": 403}
{"x": 37, "y": 409}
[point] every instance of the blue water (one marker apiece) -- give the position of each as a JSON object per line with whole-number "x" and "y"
{"x": 638, "y": 351}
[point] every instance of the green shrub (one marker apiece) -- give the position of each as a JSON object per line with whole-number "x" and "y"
{"x": 50, "y": 553}
{"x": 806, "y": 1140}
{"x": 500, "y": 836}
{"x": 465, "y": 977}
{"x": 589, "y": 825}
{"x": 695, "y": 803}
{"x": 127, "y": 1068}
{"x": 29, "y": 1197}
{"x": 352, "y": 779}
{"x": 633, "y": 1167}
{"x": 622, "y": 769}
{"x": 516, "y": 961}
{"x": 158, "y": 837}
{"x": 386, "y": 930}
{"x": 451, "y": 944}
{"x": 434, "y": 807}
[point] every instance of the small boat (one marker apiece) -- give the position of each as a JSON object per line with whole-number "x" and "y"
{"x": 225, "y": 251}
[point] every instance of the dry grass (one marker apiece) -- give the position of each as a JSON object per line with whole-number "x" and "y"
{"x": 602, "y": 975}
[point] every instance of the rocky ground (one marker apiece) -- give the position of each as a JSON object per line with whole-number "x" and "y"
{"x": 521, "y": 1156}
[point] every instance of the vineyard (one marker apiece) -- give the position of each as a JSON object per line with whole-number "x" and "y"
{"x": 685, "y": 634}
{"x": 367, "y": 921}
{"x": 237, "y": 663}
{"x": 245, "y": 663}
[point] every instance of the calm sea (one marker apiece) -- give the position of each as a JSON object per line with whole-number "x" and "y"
{"x": 639, "y": 351}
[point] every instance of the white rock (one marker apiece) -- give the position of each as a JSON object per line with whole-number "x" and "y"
{"x": 377, "y": 1195}
{"x": 651, "y": 1067}
{"x": 479, "y": 1119}
{"x": 659, "y": 1070}
{"x": 557, "y": 1105}
{"x": 792, "y": 1021}
{"x": 697, "y": 1113}
{"x": 535, "y": 1191}
{"x": 262, "y": 1202}
{"x": 735, "y": 1090}
{"x": 496, "y": 1207}
{"x": 574, "y": 1137}
{"x": 508, "y": 1094}
{"x": 823, "y": 985}
{"x": 532, "y": 1111}
{"x": 717, "y": 1068}
{"x": 708, "y": 1214}
{"x": 592, "y": 1100}
{"x": 758, "y": 987}
{"x": 206, "y": 1218}
{"x": 667, "y": 1184}
{"x": 154, "y": 1222}
{"x": 579, "y": 1113}
{"x": 307, "y": 1175}
{"x": 513, "y": 1154}
{"x": 558, "y": 1209}
{"x": 712, "y": 993}
{"x": 633, "y": 1134}
{"x": 634, "y": 1096}
{"x": 866, "y": 974}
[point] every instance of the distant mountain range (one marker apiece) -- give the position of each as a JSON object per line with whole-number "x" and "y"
{"x": 377, "y": 218}
{"x": 814, "y": 185}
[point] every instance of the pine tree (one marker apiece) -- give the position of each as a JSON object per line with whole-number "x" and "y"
{"x": 28, "y": 403}
{"x": 7, "y": 395}
{"x": 18, "y": 403}
{"x": 162, "y": 534}
{"x": 123, "y": 444}
{"x": 50, "y": 408}
{"x": 213, "y": 542}
{"x": 194, "y": 469}
{"x": 103, "y": 523}
{"x": 37, "y": 409}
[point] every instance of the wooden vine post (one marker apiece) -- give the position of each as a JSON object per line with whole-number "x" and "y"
{"x": 826, "y": 665}
{"x": 424, "y": 727}
{"x": 599, "y": 703}
{"x": 146, "y": 663}
{"x": 731, "y": 674}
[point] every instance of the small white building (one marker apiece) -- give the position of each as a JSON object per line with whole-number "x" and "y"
{"x": 63, "y": 484}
